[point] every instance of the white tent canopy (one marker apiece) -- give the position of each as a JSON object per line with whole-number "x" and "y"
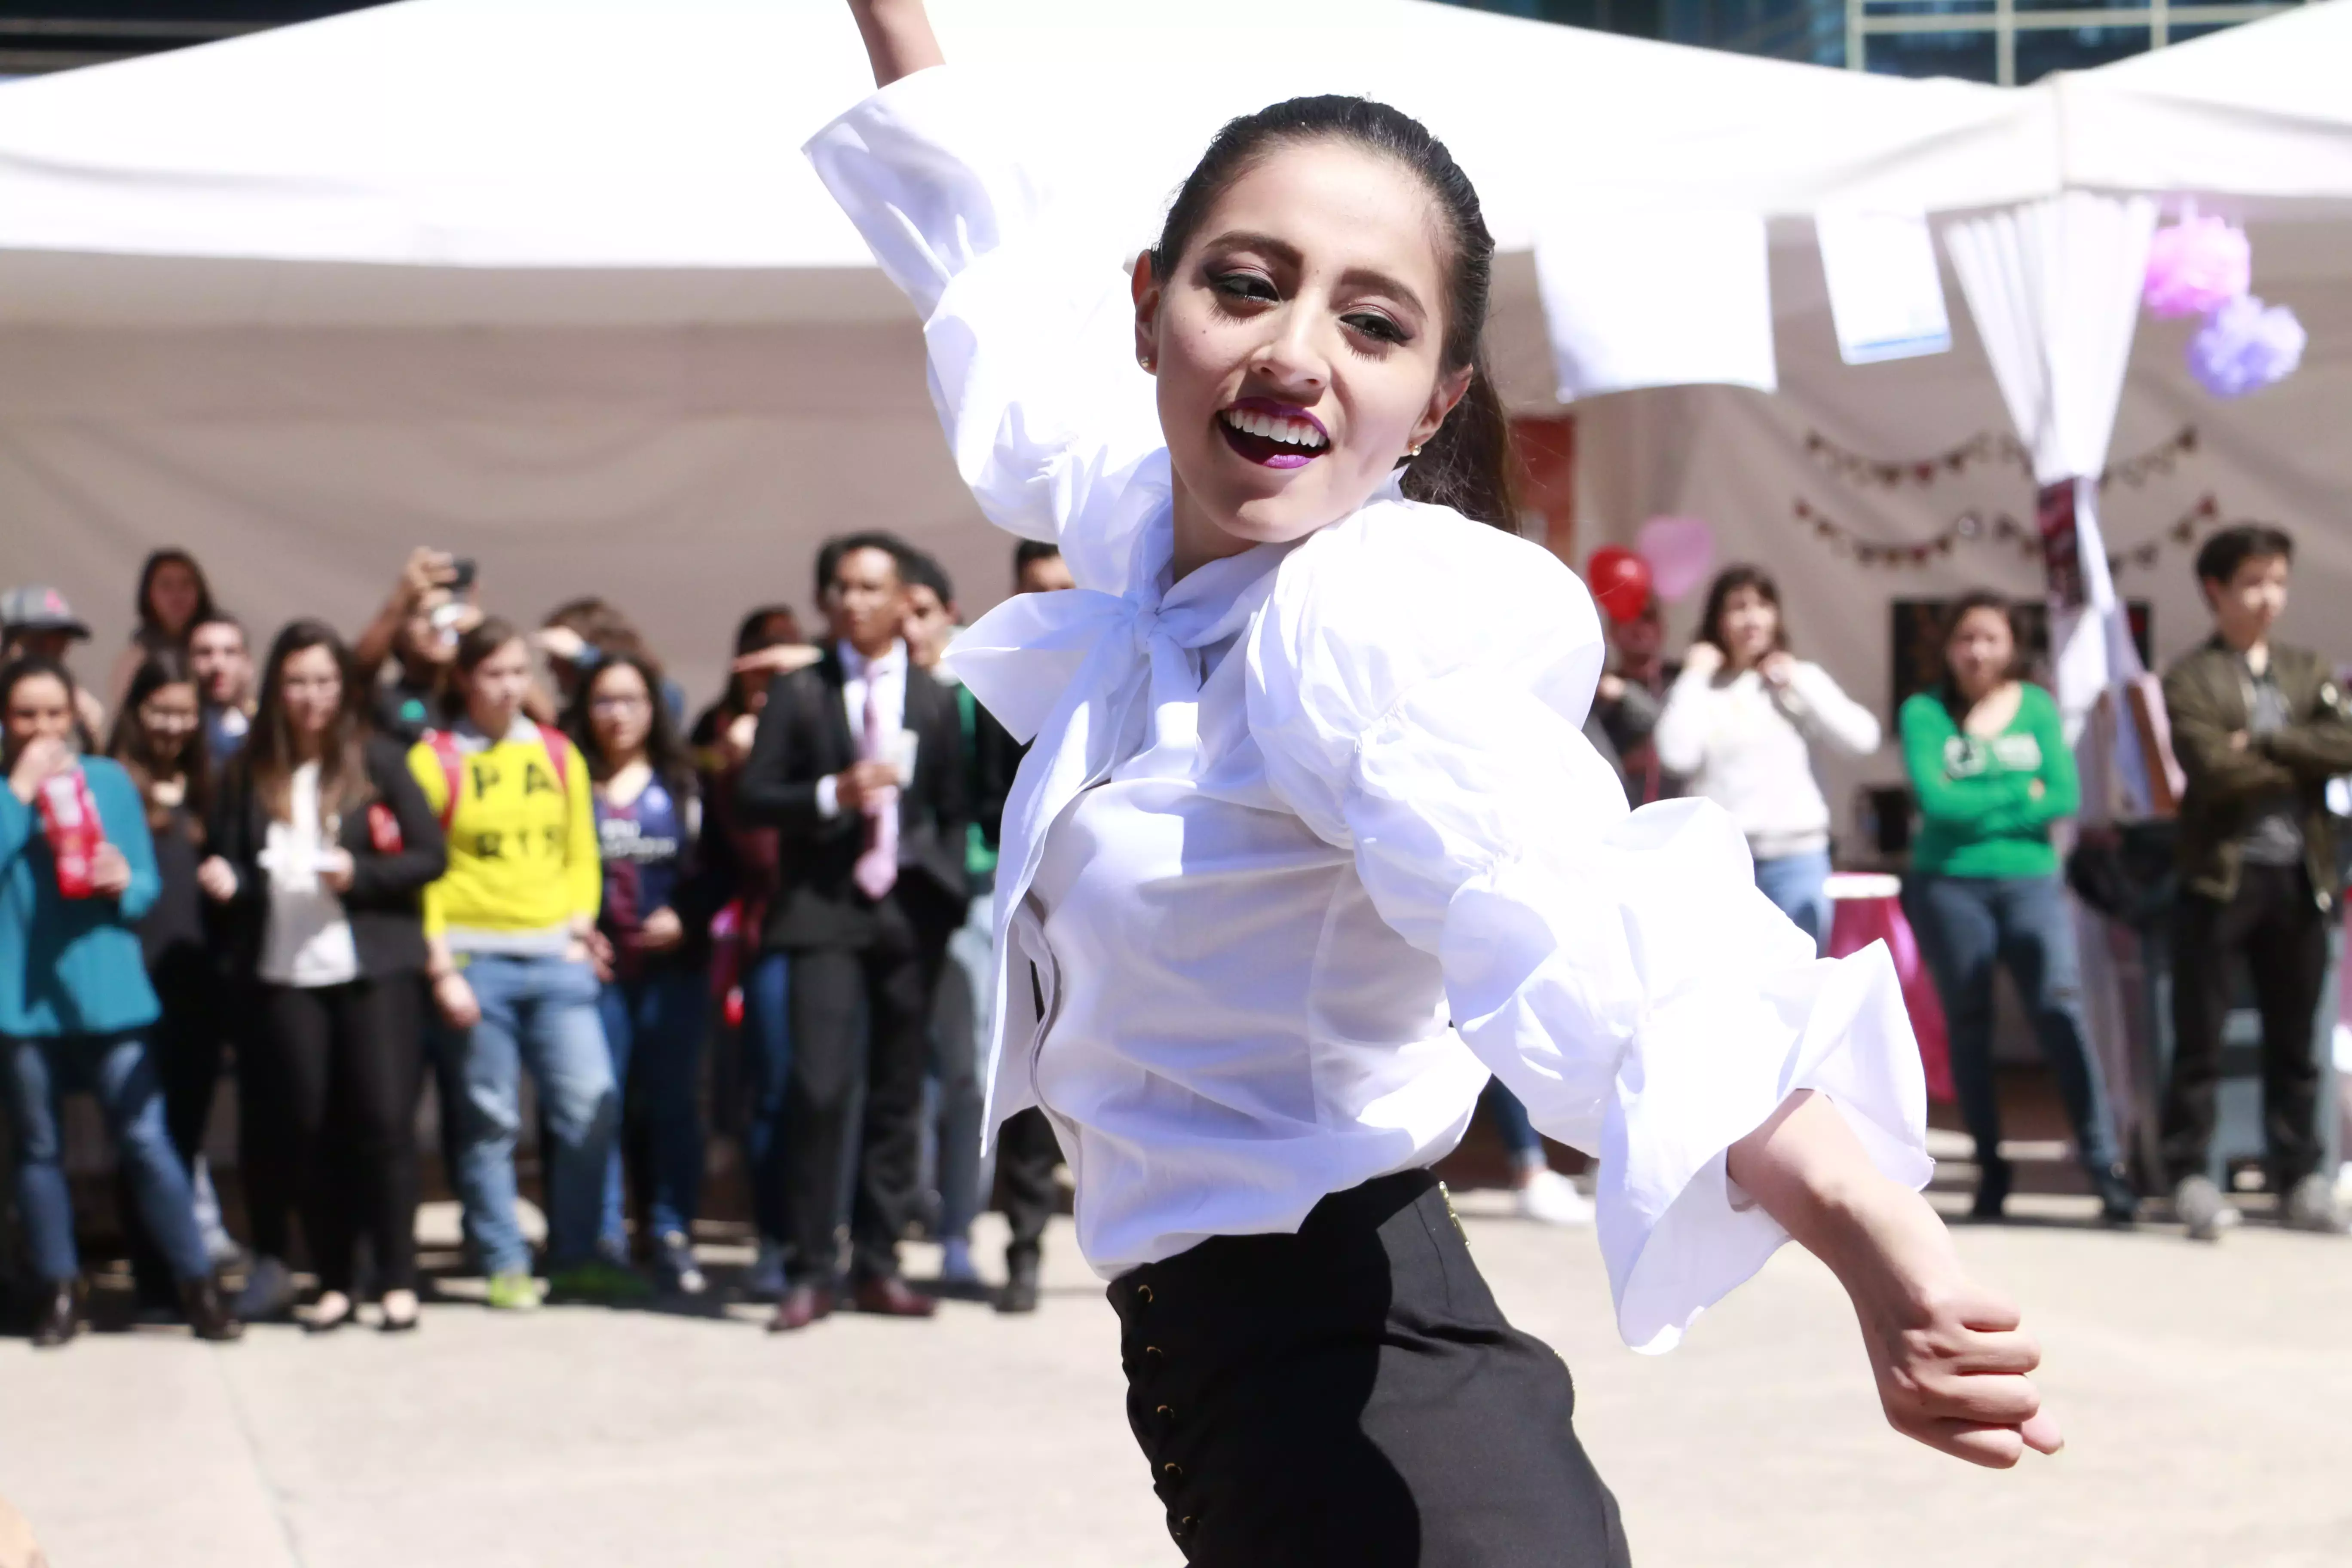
{"x": 2260, "y": 113}
{"x": 663, "y": 134}
{"x": 2254, "y": 122}
{"x": 547, "y": 281}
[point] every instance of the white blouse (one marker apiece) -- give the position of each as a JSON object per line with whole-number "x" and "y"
{"x": 307, "y": 939}
{"x": 1310, "y": 842}
{"x": 1747, "y": 746}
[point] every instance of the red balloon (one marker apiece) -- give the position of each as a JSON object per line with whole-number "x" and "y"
{"x": 1620, "y": 581}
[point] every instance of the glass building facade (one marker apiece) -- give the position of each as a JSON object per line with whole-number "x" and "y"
{"x": 2009, "y": 42}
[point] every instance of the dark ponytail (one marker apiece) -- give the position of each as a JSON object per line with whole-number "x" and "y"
{"x": 1467, "y": 464}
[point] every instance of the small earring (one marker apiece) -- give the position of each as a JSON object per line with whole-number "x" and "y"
{"x": 1412, "y": 451}
{"x": 1144, "y": 360}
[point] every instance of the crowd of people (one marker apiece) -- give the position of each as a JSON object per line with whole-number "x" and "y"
{"x": 459, "y": 848}
{"x": 2258, "y": 729}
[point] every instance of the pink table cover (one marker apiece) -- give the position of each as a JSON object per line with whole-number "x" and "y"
{"x": 1860, "y": 923}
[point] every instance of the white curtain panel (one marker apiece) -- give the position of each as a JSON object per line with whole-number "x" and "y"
{"x": 2055, "y": 287}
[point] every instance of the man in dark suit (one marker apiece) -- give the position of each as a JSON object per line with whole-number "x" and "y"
{"x": 857, "y": 764}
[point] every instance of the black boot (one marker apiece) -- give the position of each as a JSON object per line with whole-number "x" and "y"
{"x": 2118, "y": 1199}
{"x": 1020, "y": 1294}
{"x": 208, "y": 1316}
{"x": 1992, "y": 1189}
{"x": 60, "y": 1315}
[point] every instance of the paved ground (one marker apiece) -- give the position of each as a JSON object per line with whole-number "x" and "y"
{"x": 2208, "y": 1391}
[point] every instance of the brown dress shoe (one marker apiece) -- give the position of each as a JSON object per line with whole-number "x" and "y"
{"x": 893, "y": 1298}
{"x": 799, "y": 1307}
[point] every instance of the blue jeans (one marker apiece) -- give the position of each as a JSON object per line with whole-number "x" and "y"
{"x": 961, "y": 1015}
{"x": 767, "y": 1045}
{"x": 1512, "y": 1125}
{"x": 118, "y": 1069}
{"x": 1964, "y": 925}
{"x": 653, "y": 1027}
{"x": 540, "y": 1013}
{"x": 1796, "y": 885}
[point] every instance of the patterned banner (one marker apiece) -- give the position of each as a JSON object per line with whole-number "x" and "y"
{"x": 2000, "y": 448}
{"x": 1977, "y": 526}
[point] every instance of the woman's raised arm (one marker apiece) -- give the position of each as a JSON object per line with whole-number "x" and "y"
{"x": 899, "y": 37}
{"x": 1028, "y": 320}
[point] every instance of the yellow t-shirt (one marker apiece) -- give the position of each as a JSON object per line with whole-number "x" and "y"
{"x": 523, "y": 856}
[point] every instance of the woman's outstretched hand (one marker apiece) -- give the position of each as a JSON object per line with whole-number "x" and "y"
{"x": 1949, "y": 1356}
{"x": 899, "y": 37}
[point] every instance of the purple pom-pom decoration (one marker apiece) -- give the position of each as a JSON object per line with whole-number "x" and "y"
{"x": 2197, "y": 266}
{"x": 2246, "y": 346}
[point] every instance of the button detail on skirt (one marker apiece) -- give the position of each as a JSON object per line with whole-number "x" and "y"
{"x": 1144, "y": 1294}
{"x": 1173, "y": 1471}
{"x": 1166, "y": 1413}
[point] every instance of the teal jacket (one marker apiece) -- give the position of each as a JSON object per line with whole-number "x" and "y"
{"x": 72, "y": 966}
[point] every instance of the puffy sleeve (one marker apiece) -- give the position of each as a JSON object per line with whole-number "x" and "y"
{"x": 1417, "y": 687}
{"x": 1027, "y": 318}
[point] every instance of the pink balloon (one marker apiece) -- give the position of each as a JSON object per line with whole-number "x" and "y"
{"x": 1680, "y": 551}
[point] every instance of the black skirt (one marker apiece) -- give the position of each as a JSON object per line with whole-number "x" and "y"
{"x": 1350, "y": 1395}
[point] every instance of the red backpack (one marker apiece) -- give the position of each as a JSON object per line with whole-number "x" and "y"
{"x": 453, "y": 765}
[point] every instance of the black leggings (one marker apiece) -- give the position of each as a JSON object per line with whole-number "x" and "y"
{"x": 342, "y": 1064}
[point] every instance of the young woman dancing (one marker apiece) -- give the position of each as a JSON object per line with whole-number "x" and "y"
{"x": 1309, "y": 844}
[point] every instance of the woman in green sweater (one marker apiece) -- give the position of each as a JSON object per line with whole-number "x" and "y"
{"x": 1988, "y": 761}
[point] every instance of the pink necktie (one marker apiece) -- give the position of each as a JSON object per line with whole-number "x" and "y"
{"x": 877, "y": 867}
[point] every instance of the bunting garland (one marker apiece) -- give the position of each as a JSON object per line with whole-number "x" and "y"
{"x": 1986, "y": 446}
{"x": 1977, "y": 526}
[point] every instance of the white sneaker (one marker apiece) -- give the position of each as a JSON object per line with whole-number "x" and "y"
{"x": 2199, "y": 1206}
{"x": 1551, "y": 1198}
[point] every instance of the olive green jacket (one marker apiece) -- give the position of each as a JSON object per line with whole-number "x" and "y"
{"x": 2209, "y": 698}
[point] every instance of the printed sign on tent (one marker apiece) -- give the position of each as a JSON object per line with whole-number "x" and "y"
{"x": 1885, "y": 295}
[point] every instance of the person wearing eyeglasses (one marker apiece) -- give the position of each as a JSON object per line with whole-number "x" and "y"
{"x": 653, "y": 951}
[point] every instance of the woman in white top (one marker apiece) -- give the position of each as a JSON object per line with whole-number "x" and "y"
{"x": 322, "y": 845}
{"x": 1741, "y": 721}
{"x": 1288, "y": 873}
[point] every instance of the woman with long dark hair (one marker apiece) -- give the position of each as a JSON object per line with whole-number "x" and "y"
{"x": 511, "y": 937}
{"x": 744, "y": 857}
{"x": 329, "y": 845}
{"x": 173, "y": 598}
{"x": 76, "y": 875}
{"x": 1308, "y": 783}
{"x": 1988, "y": 758}
{"x": 159, "y": 740}
{"x": 768, "y": 643}
{"x": 1741, "y": 721}
{"x": 655, "y": 926}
